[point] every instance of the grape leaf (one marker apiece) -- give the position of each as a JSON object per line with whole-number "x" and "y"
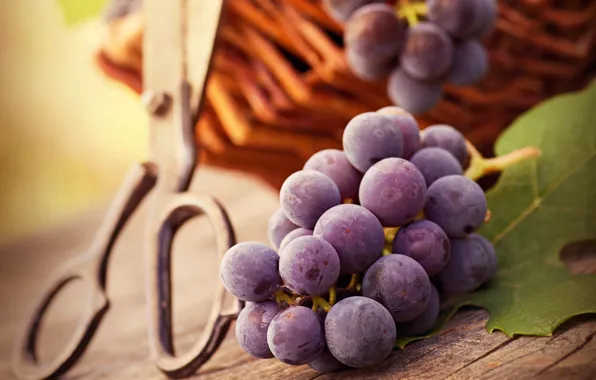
{"x": 538, "y": 207}
{"x": 76, "y": 11}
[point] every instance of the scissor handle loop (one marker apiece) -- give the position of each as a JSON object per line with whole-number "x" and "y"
{"x": 177, "y": 212}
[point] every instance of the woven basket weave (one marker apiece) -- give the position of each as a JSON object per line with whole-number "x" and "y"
{"x": 281, "y": 88}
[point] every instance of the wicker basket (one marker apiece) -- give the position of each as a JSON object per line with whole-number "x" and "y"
{"x": 281, "y": 88}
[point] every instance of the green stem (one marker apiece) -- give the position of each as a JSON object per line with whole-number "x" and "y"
{"x": 332, "y": 296}
{"x": 480, "y": 166}
{"x": 319, "y": 302}
{"x": 411, "y": 11}
{"x": 353, "y": 282}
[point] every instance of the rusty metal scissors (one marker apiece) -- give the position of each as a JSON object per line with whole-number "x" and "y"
{"x": 179, "y": 39}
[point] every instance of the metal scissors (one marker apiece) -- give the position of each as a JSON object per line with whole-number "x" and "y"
{"x": 179, "y": 39}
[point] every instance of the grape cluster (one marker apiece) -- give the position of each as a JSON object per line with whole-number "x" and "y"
{"x": 363, "y": 242}
{"x": 419, "y": 58}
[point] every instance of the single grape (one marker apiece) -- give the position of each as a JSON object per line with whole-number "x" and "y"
{"x": 426, "y": 243}
{"x": 309, "y": 266}
{"x": 456, "y": 17}
{"x": 486, "y": 15}
{"x": 359, "y": 332}
{"x": 298, "y": 232}
{"x": 374, "y": 33}
{"x": 367, "y": 68}
{"x": 306, "y": 195}
{"x": 425, "y": 321}
{"x": 249, "y": 271}
{"x": 400, "y": 284}
{"x": 341, "y": 10}
{"x": 355, "y": 233}
{"x": 408, "y": 126}
{"x": 435, "y": 163}
{"x": 446, "y": 137}
{"x": 335, "y": 165}
{"x": 394, "y": 190}
{"x": 295, "y": 336}
{"x": 326, "y": 363}
{"x": 467, "y": 269}
{"x": 489, "y": 249}
{"x": 370, "y": 137}
{"x": 251, "y": 327}
{"x": 428, "y": 53}
{"x": 470, "y": 63}
{"x": 457, "y": 204}
{"x": 413, "y": 95}
{"x": 278, "y": 227}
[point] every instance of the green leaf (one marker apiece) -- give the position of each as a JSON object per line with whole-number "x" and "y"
{"x": 76, "y": 11}
{"x": 538, "y": 207}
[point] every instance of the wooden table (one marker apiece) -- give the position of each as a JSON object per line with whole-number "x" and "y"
{"x": 464, "y": 350}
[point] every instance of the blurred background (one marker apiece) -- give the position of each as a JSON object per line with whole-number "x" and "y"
{"x": 68, "y": 134}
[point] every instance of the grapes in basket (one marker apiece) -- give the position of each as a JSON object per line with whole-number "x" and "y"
{"x": 363, "y": 245}
{"x": 418, "y": 46}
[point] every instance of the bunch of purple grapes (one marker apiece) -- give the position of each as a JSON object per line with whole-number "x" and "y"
{"x": 334, "y": 238}
{"x": 418, "y": 59}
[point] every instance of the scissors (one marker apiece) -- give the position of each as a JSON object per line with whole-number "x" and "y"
{"x": 179, "y": 39}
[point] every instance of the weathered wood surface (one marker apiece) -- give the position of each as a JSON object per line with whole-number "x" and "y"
{"x": 464, "y": 350}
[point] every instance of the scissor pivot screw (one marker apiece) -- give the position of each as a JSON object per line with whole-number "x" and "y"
{"x": 156, "y": 103}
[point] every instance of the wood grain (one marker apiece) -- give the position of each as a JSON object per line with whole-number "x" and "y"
{"x": 464, "y": 350}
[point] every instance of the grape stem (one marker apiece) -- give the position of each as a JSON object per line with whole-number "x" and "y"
{"x": 319, "y": 302}
{"x": 353, "y": 282}
{"x": 410, "y": 11}
{"x": 332, "y": 296}
{"x": 480, "y": 166}
{"x": 283, "y": 297}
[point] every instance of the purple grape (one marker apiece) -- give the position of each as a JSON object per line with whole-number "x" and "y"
{"x": 335, "y": 165}
{"x": 435, "y": 163}
{"x": 341, "y": 10}
{"x": 400, "y": 284}
{"x": 326, "y": 363}
{"x": 470, "y": 63}
{"x": 467, "y": 269}
{"x": 408, "y": 126}
{"x": 251, "y": 327}
{"x": 425, "y": 321}
{"x": 485, "y": 18}
{"x": 355, "y": 233}
{"x": 295, "y": 336}
{"x": 428, "y": 53}
{"x": 460, "y": 18}
{"x": 489, "y": 249}
{"x": 370, "y": 137}
{"x": 413, "y": 95}
{"x": 306, "y": 195}
{"x": 366, "y": 68}
{"x": 298, "y": 232}
{"x": 446, "y": 137}
{"x": 249, "y": 271}
{"x": 359, "y": 332}
{"x": 309, "y": 266}
{"x": 426, "y": 243}
{"x": 278, "y": 227}
{"x": 457, "y": 204}
{"x": 394, "y": 190}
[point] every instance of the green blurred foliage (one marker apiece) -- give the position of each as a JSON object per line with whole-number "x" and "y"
{"x": 76, "y": 11}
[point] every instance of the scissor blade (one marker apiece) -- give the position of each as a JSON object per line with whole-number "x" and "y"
{"x": 178, "y": 45}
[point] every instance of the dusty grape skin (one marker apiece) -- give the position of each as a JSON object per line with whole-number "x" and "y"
{"x": 249, "y": 271}
{"x": 251, "y": 327}
{"x": 335, "y": 165}
{"x": 295, "y": 336}
{"x": 470, "y": 63}
{"x": 428, "y": 53}
{"x": 467, "y": 269}
{"x": 341, "y": 10}
{"x": 425, "y": 321}
{"x": 486, "y": 15}
{"x": 326, "y": 363}
{"x": 400, "y": 284}
{"x": 298, "y": 232}
{"x": 309, "y": 266}
{"x": 426, "y": 243}
{"x": 446, "y": 137}
{"x": 359, "y": 332}
{"x": 489, "y": 249}
{"x": 370, "y": 137}
{"x": 394, "y": 190}
{"x": 278, "y": 227}
{"x": 413, "y": 95}
{"x": 457, "y": 204}
{"x": 306, "y": 195}
{"x": 457, "y": 17}
{"x": 355, "y": 233}
{"x": 435, "y": 163}
{"x": 408, "y": 126}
